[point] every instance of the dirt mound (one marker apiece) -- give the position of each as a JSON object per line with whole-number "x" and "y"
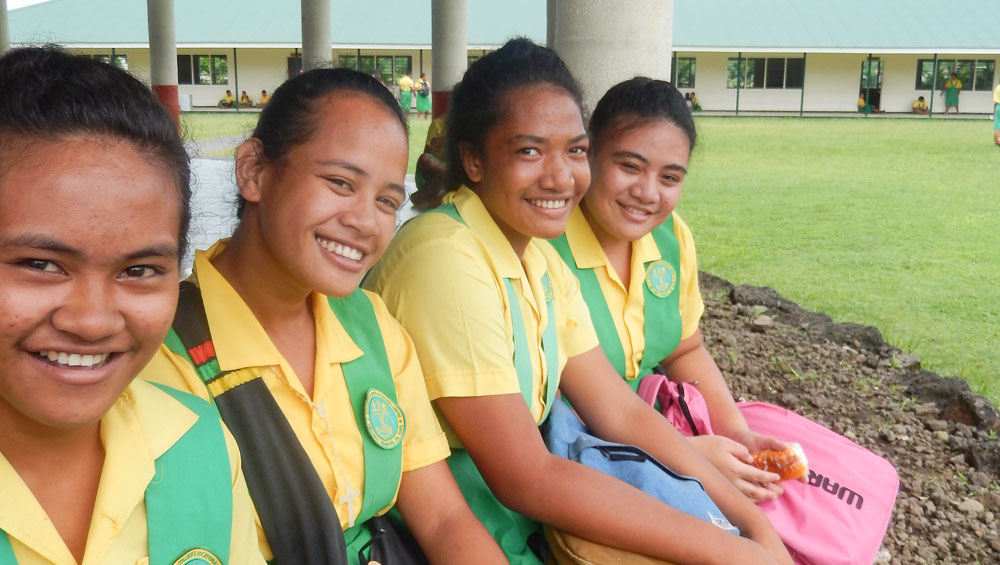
{"x": 941, "y": 437}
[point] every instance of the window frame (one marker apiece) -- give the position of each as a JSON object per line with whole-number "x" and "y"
{"x": 945, "y": 67}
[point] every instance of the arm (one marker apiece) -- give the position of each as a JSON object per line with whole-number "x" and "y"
{"x": 503, "y": 441}
{"x": 614, "y": 412}
{"x": 441, "y": 521}
{"x": 730, "y": 450}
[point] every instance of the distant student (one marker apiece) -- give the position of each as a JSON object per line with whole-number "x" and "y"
{"x": 865, "y": 107}
{"x": 952, "y": 88}
{"x": 96, "y": 467}
{"x": 920, "y": 106}
{"x": 423, "y": 89}
{"x": 996, "y": 116}
{"x": 228, "y": 101}
{"x": 406, "y": 91}
{"x": 694, "y": 102}
{"x": 245, "y": 100}
{"x": 264, "y": 99}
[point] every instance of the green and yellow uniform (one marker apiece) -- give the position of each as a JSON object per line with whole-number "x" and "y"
{"x": 405, "y": 92}
{"x": 142, "y": 431}
{"x": 324, "y": 423}
{"x": 951, "y": 88}
{"x": 453, "y": 280}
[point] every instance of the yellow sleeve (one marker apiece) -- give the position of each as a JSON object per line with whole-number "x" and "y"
{"x": 575, "y": 330}
{"x": 444, "y": 293}
{"x": 243, "y": 546}
{"x": 424, "y": 441}
{"x": 690, "y": 302}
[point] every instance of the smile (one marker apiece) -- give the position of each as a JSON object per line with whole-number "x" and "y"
{"x": 548, "y": 204}
{"x": 62, "y": 358}
{"x": 633, "y": 210}
{"x": 340, "y": 249}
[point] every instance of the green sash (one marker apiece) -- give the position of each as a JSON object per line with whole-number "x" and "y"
{"x": 189, "y": 501}
{"x": 511, "y": 530}
{"x": 246, "y": 406}
{"x": 661, "y": 314}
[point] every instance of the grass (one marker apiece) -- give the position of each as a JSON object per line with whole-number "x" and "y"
{"x": 887, "y": 222}
{"x": 893, "y": 223}
{"x": 202, "y": 126}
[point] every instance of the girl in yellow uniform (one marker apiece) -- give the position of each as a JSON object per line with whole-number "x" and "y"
{"x": 96, "y": 467}
{"x": 319, "y": 384}
{"x": 641, "y": 139}
{"x": 499, "y": 323}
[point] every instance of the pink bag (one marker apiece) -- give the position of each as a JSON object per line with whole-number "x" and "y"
{"x": 840, "y": 516}
{"x": 682, "y": 404}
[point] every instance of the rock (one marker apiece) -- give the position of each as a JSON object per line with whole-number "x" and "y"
{"x": 970, "y": 506}
{"x": 941, "y": 436}
{"x": 883, "y": 556}
{"x": 906, "y": 361}
{"x": 762, "y": 323}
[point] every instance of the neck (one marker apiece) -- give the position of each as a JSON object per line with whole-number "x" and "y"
{"x": 260, "y": 279}
{"x": 618, "y": 251}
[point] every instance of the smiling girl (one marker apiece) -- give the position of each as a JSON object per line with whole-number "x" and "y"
{"x": 94, "y": 208}
{"x": 319, "y": 384}
{"x": 499, "y": 324}
{"x": 642, "y": 135}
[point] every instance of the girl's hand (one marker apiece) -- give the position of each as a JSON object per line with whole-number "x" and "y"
{"x": 732, "y": 459}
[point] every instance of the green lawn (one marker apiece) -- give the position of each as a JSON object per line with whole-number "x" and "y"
{"x": 888, "y": 222}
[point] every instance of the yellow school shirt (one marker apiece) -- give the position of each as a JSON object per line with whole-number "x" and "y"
{"x": 140, "y": 426}
{"x": 626, "y": 304}
{"x": 264, "y": 99}
{"x": 405, "y": 84}
{"x": 240, "y": 341}
{"x": 918, "y": 105}
{"x": 996, "y": 95}
{"x": 444, "y": 282}
{"x": 953, "y": 83}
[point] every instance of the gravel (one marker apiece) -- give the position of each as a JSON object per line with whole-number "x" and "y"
{"x": 941, "y": 437}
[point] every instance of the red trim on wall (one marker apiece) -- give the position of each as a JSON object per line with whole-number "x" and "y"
{"x": 167, "y": 94}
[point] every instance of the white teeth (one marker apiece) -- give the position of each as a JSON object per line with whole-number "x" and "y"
{"x": 551, "y": 204}
{"x": 340, "y": 249}
{"x": 74, "y": 359}
{"x": 634, "y": 210}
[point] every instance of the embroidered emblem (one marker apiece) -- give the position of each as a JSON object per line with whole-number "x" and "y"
{"x": 383, "y": 419}
{"x": 661, "y": 278}
{"x": 547, "y": 286}
{"x": 198, "y": 557}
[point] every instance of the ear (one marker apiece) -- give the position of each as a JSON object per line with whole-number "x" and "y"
{"x": 250, "y": 169}
{"x": 472, "y": 161}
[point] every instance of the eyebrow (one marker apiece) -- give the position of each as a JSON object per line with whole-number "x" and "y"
{"x": 38, "y": 241}
{"x": 361, "y": 172}
{"x": 638, "y": 157}
{"x": 536, "y": 139}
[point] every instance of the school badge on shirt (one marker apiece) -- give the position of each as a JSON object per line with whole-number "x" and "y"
{"x": 383, "y": 419}
{"x": 198, "y": 557}
{"x": 661, "y": 278}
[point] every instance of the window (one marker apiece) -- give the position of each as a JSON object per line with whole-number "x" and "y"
{"x": 974, "y": 74}
{"x": 684, "y": 77}
{"x": 755, "y": 72}
{"x": 403, "y": 65}
{"x": 220, "y": 69}
{"x": 347, "y": 61}
{"x": 196, "y": 69}
{"x": 385, "y": 66}
{"x": 472, "y": 59}
{"x": 984, "y": 75}
{"x": 106, "y": 59}
{"x": 120, "y": 61}
{"x": 795, "y": 73}
{"x": 294, "y": 64}
{"x": 775, "y": 75}
{"x": 367, "y": 64}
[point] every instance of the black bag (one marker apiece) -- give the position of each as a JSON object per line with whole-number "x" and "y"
{"x": 391, "y": 543}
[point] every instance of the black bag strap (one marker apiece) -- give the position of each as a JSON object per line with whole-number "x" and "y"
{"x": 295, "y": 510}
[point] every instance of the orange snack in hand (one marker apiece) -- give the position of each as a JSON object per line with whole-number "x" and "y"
{"x": 789, "y": 463}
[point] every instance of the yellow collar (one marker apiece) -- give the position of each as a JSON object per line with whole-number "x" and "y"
{"x": 588, "y": 253}
{"x": 239, "y": 339}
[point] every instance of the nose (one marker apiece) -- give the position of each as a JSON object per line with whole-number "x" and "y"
{"x": 90, "y": 310}
{"x": 362, "y": 215}
{"x": 558, "y": 173}
{"x": 644, "y": 189}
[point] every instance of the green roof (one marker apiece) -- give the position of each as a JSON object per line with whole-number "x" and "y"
{"x": 881, "y": 26}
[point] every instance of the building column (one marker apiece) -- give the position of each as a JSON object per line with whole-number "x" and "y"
{"x": 163, "y": 54}
{"x": 317, "y": 41}
{"x": 450, "y": 49}
{"x": 604, "y": 42}
{"x": 4, "y": 28}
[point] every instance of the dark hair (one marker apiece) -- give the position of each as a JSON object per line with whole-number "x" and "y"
{"x": 289, "y": 118}
{"x": 479, "y": 101}
{"x": 636, "y": 102}
{"x": 49, "y": 94}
